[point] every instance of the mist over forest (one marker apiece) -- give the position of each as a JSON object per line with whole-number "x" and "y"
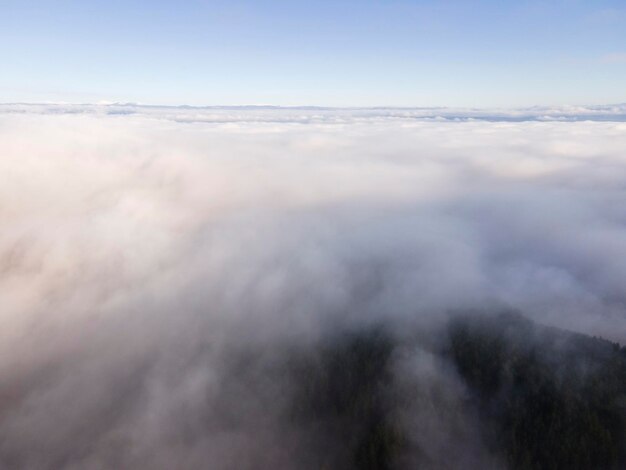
{"x": 312, "y": 288}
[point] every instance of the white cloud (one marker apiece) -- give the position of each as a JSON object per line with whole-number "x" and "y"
{"x": 322, "y": 115}
{"x": 130, "y": 241}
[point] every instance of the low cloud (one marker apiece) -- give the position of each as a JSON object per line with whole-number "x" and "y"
{"x": 141, "y": 249}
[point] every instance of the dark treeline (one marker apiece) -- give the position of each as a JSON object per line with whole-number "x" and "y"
{"x": 340, "y": 395}
{"x": 547, "y": 399}
{"x": 550, "y": 399}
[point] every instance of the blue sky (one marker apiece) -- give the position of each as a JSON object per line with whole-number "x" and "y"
{"x": 336, "y": 53}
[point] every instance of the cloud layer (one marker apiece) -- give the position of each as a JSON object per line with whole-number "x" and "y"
{"x": 329, "y": 115}
{"x": 140, "y": 248}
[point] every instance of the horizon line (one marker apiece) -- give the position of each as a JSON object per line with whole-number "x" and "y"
{"x": 305, "y": 106}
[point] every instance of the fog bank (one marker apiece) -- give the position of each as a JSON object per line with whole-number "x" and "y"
{"x": 142, "y": 256}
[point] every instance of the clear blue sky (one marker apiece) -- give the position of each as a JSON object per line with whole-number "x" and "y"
{"x": 317, "y": 52}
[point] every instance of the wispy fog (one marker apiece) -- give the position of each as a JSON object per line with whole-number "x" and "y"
{"x": 144, "y": 253}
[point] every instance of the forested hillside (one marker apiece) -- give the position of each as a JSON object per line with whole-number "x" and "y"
{"x": 550, "y": 399}
{"x": 546, "y": 399}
